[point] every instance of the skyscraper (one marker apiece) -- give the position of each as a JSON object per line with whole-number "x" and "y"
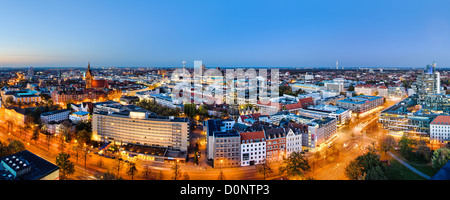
{"x": 30, "y": 73}
{"x": 428, "y": 82}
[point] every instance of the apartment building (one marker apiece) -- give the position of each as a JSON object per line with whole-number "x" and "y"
{"x": 276, "y": 143}
{"x": 440, "y": 129}
{"x": 253, "y": 148}
{"x": 223, "y": 144}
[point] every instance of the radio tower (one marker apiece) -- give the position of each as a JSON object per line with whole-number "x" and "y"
{"x": 337, "y": 64}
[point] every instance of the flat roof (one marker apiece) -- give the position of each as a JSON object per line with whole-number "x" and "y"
{"x": 80, "y": 113}
{"x": 39, "y": 166}
{"x": 54, "y": 112}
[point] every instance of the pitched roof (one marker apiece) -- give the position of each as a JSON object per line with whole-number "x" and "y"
{"x": 275, "y": 133}
{"x": 258, "y": 135}
{"x": 250, "y": 116}
{"x": 272, "y": 104}
{"x": 306, "y": 102}
{"x": 442, "y": 120}
{"x": 293, "y": 106}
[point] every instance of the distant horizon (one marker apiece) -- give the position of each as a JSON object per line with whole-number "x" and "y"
{"x": 280, "y": 67}
{"x": 383, "y": 33}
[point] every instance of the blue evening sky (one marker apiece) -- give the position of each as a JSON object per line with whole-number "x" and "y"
{"x": 163, "y": 33}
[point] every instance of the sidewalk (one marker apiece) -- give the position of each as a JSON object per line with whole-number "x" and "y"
{"x": 410, "y": 167}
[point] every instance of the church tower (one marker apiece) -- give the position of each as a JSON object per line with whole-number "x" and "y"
{"x": 89, "y": 77}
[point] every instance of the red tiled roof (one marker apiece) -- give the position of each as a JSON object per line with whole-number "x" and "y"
{"x": 270, "y": 104}
{"x": 363, "y": 85}
{"x": 441, "y": 119}
{"x": 293, "y": 106}
{"x": 254, "y": 116}
{"x": 99, "y": 83}
{"x": 258, "y": 135}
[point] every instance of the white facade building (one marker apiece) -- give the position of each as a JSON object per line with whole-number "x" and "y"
{"x": 57, "y": 115}
{"x": 79, "y": 116}
{"x": 440, "y": 129}
{"x": 293, "y": 142}
{"x": 253, "y": 148}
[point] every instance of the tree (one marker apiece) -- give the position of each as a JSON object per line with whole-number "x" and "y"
{"x": 317, "y": 156}
{"x": 4, "y": 150}
{"x": 176, "y": 171}
{"x": 353, "y": 171}
{"x": 361, "y": 165}
{"x": 132, "y": 170}
{"x": 118, "y": 166}
{"x": 35, "y": 135}
{"x": 66, "y": 167}
{"x": 196, "y": 158}
{"x": 387, "y": 143}
{"x": 77, "y": 149}
{"x": 368, "y": 161}
{"x": 221, "y": 176}
{"x": 190, "y": 110}
{"x": 62, "y": 144}
{"x": 376, "y": 173}
{"x": 106, "y": 176}
{"x": 146, "y": 173}
{"x": 15, "y": 146}
{"x": 351, "y": 88}
{"x": 423, "y": 152}
{"x": 264, "y": 169}
{"x": 9, "y": 100}
{"x": 84, "y": 136}
{"x": 185, "y": 176}
{"x": 406, "y": 147}
{"x": 160, "y": 176}
{"x": 440, "y": 157}
{"x": 296, "y": 165}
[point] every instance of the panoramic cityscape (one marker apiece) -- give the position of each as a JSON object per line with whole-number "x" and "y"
{"x": 286, "y": 91}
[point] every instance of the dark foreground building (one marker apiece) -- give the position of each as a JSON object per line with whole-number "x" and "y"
{"x": 25, "y": 165}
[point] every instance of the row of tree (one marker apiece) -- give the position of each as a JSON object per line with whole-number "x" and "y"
{"x": 159, "y": 109}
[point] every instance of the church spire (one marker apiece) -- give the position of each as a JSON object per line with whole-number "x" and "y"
{"x": 89, "y": 77}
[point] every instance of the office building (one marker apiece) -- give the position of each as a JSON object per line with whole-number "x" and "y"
{"x": 361, "y": 103}
{"x": 134, "y": 125}
{"x": 56, "y": 115}
{"x": 320, "y": 131}
{"x": 428, "y": 82}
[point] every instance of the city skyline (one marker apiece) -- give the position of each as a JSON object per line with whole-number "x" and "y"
{"x": 251, "y": 34}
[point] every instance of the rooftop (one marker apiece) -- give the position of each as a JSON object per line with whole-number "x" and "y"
{"x": 55, "y": 112}
{"x": 361, "y": 99}
{"x": 81, "y": 113}
{"x": 252, "y": 136}
{"x": 441, "y": 120}
{"x": 37, "y": 166}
